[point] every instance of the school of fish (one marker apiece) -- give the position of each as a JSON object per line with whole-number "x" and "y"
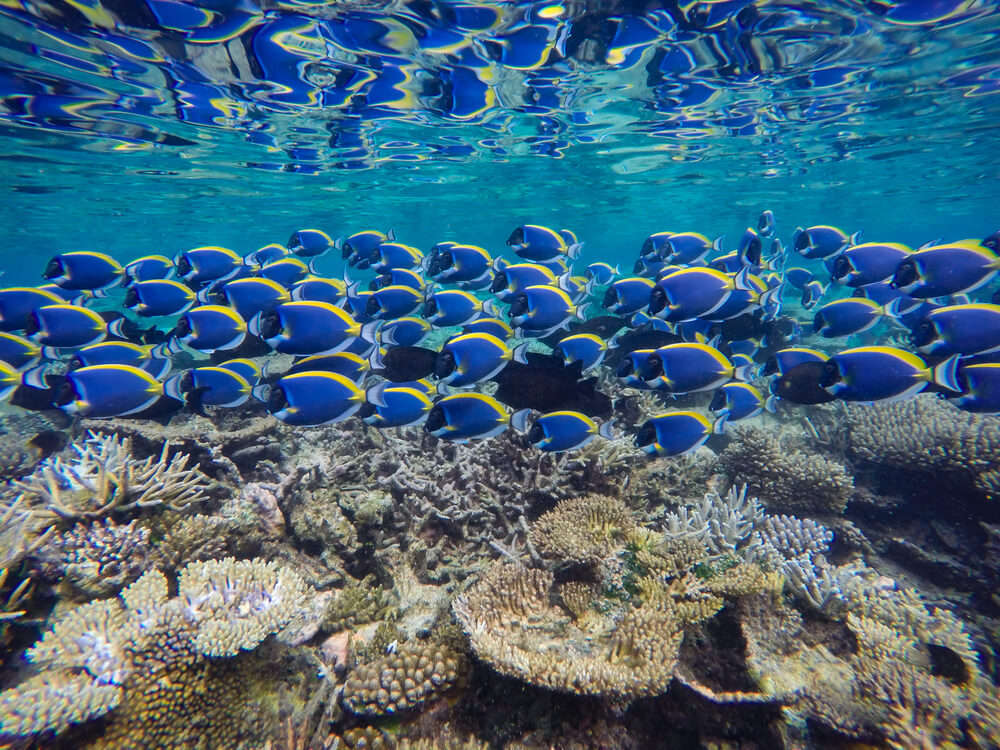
{"x": 692, "y": 318}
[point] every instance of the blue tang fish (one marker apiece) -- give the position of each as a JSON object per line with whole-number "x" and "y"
{"x": 208, "y": 386}
{"x": 943, "y": 270}
{"x": 309, "y": 243}
{"x": 254, "y": 295}
{"x": 656, "y": 246}
{"x": 798, "y": 277}
{"x": 362, "y": 247}
{"x": 469, "y": 358}
{"x": 869, "y": 263}
{"x": 406, "y": 331}
{"x": 812, "y": 293}
{"x": 318, "y": 289}
{"x": 309, "y": 328}
{"x": 785, "y": 359}
{"x": 959, "y": 329}
{"x": 249, "y": 370}
{"x": 84, "y": 270}
{"x": 694, "y": 292}
{"x": 559, "y": 431}
{"x": 466, "y": 416}
{"x": 396, "y": 255}
{"x": 312, "y": 398}
{"x": 102, "y": 391}
{"x": 822, "y": 241}
{"x": 765, "y": 223}
{"x": 157, "y": 297}
{"x": 516, "y": 277}
{"x": 18, "y": 352}
{"x": 877, "y": 373}
{"x": 348, "y": 364}
{"x": 673, "y": 433}
{"x": 735, "y": 401}
{"x": 149, "y": 267}
{"x": 637, "y": 367}
{"x": 687, "y": 248}
{"x": 264, "y": 255}
{"x": 535, "y": 242}
{"x": 542, "y": 309}
{"x": 602, "y": 273}
{"x": 493, "y": 326}
{"x": 18, "y": 302}
{"x": 209, "y": 328}
{"x": 690, "y": 367}
{"x": 65, "y": 326}
{"x": 398, "y": 277}
{"x": 461, "y": 263}
{"x": 843, "y": 317}
{"x": 208, "y": 263}
{"x": 286, "y": 271}
{"x": 396, "y": 405}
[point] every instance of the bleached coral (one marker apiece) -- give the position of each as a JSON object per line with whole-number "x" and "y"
{"x": 724, "y": 523}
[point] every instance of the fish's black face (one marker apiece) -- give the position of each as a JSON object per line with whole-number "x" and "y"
{"x": 435, "y": 419}
{"x": 639, "y": 267}
{"x": 276, "y": 399}
{"x": 367, "y": 409}
{"x": 657, "y": 299}
{"x": 131, "y": 297}
{"x": 430, "y": 308}
{"x": 270, "y": 324}
{"x": 536, "y": 434}
{"x": 518, "y": 305}
{"x": 66, "y": 394}
{"x": 647, "y": 248}
{"x": 992, "y": 242}
{"x": 183, "y": 266}
{"x": 654, "y": 367}
{"x": 718, "y": 401}
{"x": 923, "y": 334}
{"x": 186, "y": 383}
{"x": 819, "y": 321}
{"x": 294, "y": 243}
{"x": 516, "y": 237}
{"x": 770, "y": 367}
{"x": 610, "y": 298}
{"x": 802, "y": 242}
{"x": 54, "y": 269}
{"x": 34, "y": 325}
{"x": 646, "y": 435}
{"x": 446, "y": 259}
{"x": 372, "y": 307}
{"x": 754, "y": 251}
{"x": 183, "y": 328}
{"x": 444, "y": 365}
{"x": 841, "y": 267}
{"x": 625, "y": 368}
{"x": 379, "y": 282}
{"x": 346, "y": 251}
{"x": 499, "y": 282}
{"x": 830, "y": 374}
{"x": 906, "y": 274}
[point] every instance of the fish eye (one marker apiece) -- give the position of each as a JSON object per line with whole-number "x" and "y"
{"x": 183, "y": 265}
{"x": 54, "y": 268}
{"x": 654, "y": 367}
{"x": 447, "y": 259}
{"x": 435, "y": 419}
{"x": 639, "y": 267}
{"x": 922, "y": 334}
{"x": 75, "y": 363}
{"x": 430, "y": 307}
{"x": 516, "y": 237}
{"x": 131, "y": 297}
{"x": 906, "y": 273}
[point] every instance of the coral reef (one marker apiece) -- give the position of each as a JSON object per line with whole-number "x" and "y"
{"x": 927, "y": 434}
{"x": 786, "y": 479}
{"x": 146, "y": 654}
{"x": 582, "y": 530}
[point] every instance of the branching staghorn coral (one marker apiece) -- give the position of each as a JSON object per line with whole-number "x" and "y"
{"x": 105, "y": 477}
{"x": 927, "y": 434}
{"x": 723, "y": 523}
{"x": 101, "y": 651}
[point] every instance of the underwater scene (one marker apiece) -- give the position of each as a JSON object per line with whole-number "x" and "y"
{"x": 476, "y": 375}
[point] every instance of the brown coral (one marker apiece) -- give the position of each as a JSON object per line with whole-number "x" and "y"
{"x": 582, "y": 530}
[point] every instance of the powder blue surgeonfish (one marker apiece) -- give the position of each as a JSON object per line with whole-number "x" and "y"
{"x": 312, "y": 398}
{"x": 460, "y": 263}
{"x": 466, "y": 416}
{"x": 785, "y": 359}
{"x": 980, "y": 388}
{"x": 868, "y": 263}
{"x": 959, "y": 329}
{"x": 735, "y": 401}
{"x": 451, "y": 307}
{"x": 469, "y": 358}
{"x": 398, "y": 277}
{"x": 264, "y": 255}
{"x": 812, "y": 293}
{"x": 19, "y": 352}
{"x": 286, "y": 271}
{"x": 208, "y": 386}
{"x": 308, "y": 243}
{"x": 84, "y": 270}
{"x": 209, "y": 328}
{"x": 673, "y": 433}
{"x": 542, "y": 309}
{"x": 121, "y": 353}
{"x": 157, "y": 297}
{"x": 877, "y": 373}
{"x": 694, "y": 292}
{"x": 690, "y": 367}
{"x": 943, "y": 270}
{"x": 18, "y": 302}
{"x": 586, "y": 348}
{"x": 798, "y": 277}
{"x": 309, "y": 328}
{"x": 361, "y": 248}
{"x": 318, "y": 289}
{"x": 514, "y": 278}
{"x": 628, "y": 295}
{"x": 843, "y": 317}
{"x": 602, "y": 273}
{"x": 822, "y": 241}
{"x": 688, "y": 248}
{"x": 538, "y": 243}
{"x": 493, "y": 326}
{"x": 65, "y": 326}
{"x": 405, "y": 331}
{"x": 149, "y": 267}
{"x": 348, "y": 364}
{"x": 253, "y": 295}
{"x": 393, "y": 302}
{"x": 209, "y": 263}
{"x": 397, "y": 255}
{"x": 396, "y": 405}
{"x": 101, "y": 391}
{"x": 560, "y": 431}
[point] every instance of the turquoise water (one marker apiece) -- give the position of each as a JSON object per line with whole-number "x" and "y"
{"x": 842, "y": 114}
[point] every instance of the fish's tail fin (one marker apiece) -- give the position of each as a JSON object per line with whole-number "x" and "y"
{"x": 744, "y": 372}
{"x": 172, "y": 388}
{"x": 520, "y": 353}
{"x": 369, "y": 331}
{"x": 717, "y": 243}
{"x": 581, "y": 311}
{"x": 376, "y": 394}
{"x": 945, "y": 374}
{"x": 519, "y": 420}
{"x": 574, "y": 250}
{"x": 771, "y": 404}
{"x": 35, "y": 376}
{"x": 855, "y": 238}
{"x": 261, "y": 392}
{"x": 607, "y": 430}
{"x": 719, "y": 425}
